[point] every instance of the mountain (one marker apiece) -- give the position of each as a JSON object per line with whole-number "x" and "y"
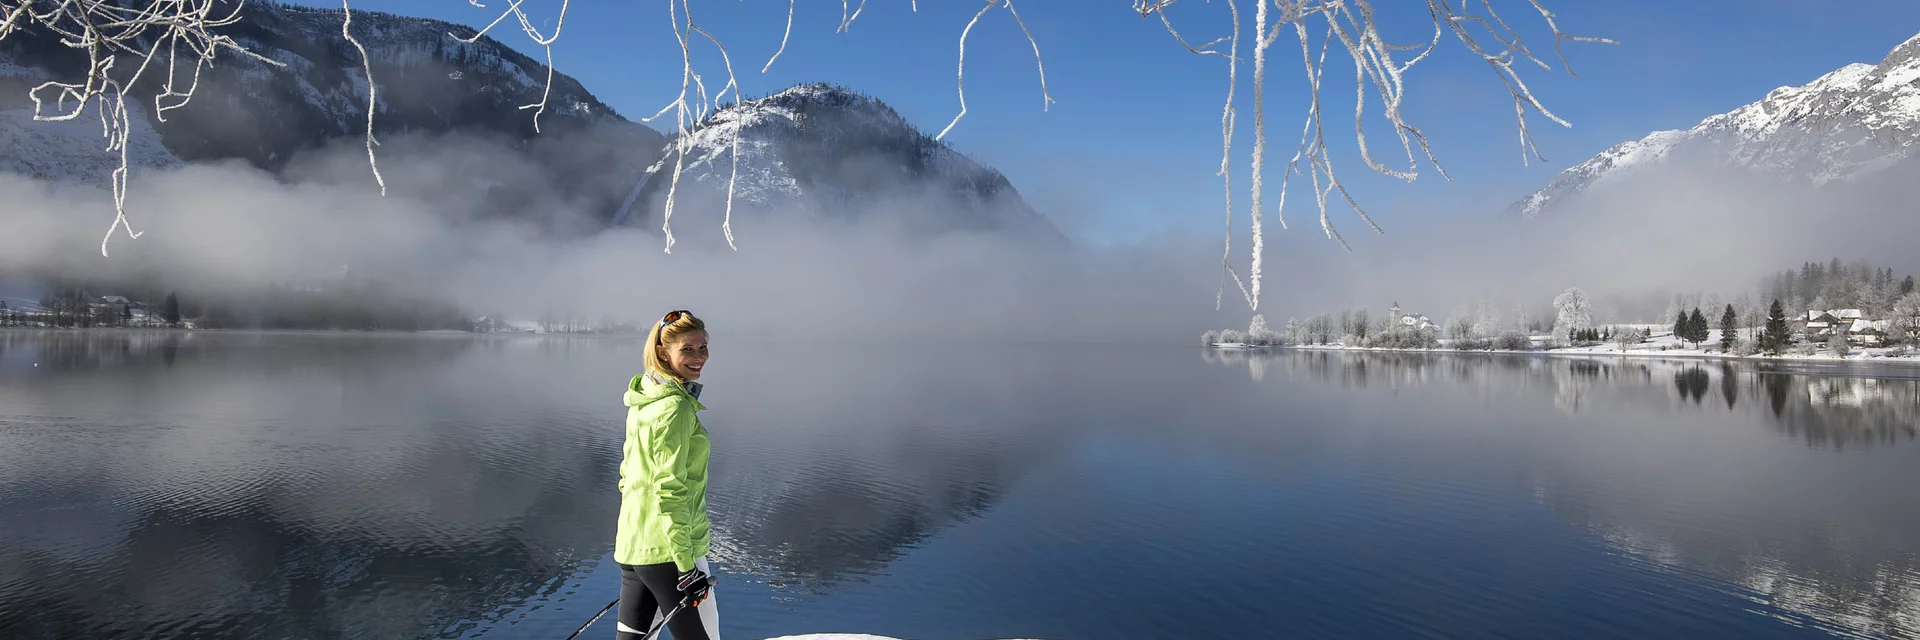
{"x": 428, "y": 84}
{"x": 1846, "y": 126}
{"x": 829, "y": 154}
{"x": 447, "y": 110}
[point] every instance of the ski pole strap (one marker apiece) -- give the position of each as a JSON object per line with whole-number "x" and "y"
{"x": 662, "y": 624}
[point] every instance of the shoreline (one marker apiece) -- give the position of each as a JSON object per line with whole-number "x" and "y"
{"x": 357, "y": 332}
{"x": 1907, "y": 360}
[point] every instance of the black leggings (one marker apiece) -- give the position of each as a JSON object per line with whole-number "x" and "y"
{"x": 647, "y": 588}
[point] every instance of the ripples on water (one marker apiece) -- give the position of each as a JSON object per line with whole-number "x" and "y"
{"x": 386, "y": 486}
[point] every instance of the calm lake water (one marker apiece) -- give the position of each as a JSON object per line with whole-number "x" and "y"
{"x": 385, "y": 486}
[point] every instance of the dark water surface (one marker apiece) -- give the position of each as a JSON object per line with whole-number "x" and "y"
{"x": 157, "y": 485}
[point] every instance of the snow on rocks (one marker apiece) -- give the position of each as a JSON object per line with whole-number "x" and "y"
{"x": 1847, "y": 124}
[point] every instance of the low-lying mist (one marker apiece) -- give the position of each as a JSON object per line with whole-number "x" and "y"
{"x": 223, "y": 228}
{"x": 1631, "y": 246}
{"x": 227, "y": 229}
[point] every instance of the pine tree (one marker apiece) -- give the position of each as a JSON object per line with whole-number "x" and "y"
{"x": 1680, "y": 326}
{"x": 1696, "y": 327}
{"x": 1906, "y": 286}
{"x": 1729, "y": 330}
{"x": 170, "y": 311}
{"x": 1774, "y": 337}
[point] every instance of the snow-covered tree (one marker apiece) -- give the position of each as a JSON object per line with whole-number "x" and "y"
{"x": 1729, "y": 330}
{"x": 1629, "y": 337}
{"x": 1904, "y": 318}
{"x": 1356, "y": 322}
{"x": 1572, "y": 312}
{"x": 1486, "y": 320}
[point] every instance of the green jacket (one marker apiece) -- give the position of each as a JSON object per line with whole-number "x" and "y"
{"x": 663, "y": 477}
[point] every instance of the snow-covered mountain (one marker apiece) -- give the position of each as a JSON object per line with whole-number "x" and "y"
{"x": 253, "y": 110}
{"x": 1847, "y": 125}
{"x": 429, "y": 83}
{"x": 825, "y": 152}
{"x": 817, "y": 151}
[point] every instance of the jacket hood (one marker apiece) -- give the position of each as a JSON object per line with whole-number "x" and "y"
{"x": 647, "y": 389}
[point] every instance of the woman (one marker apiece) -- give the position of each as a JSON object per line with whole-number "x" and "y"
{"x": 662, "y": 534}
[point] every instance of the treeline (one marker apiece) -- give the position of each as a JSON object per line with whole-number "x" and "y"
{"x": 1358, "y": 327}
{"x": 1861, "y": 285}
{"x": 366, "y": 307}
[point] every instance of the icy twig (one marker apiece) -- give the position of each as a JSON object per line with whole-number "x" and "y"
{"x": 961, "y": 75}
{"x": 107, "y": 30}
{"x": 783, "y": 38}
{"x": 545, "y": 41}
{"x": 1379, "y": 78}
{"x": 372, "y": 102}
{"x": 1046, "y": 98}
{"x": 726, "y": 224}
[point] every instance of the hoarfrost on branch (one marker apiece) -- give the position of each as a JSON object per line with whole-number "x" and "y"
{"x": 1354, "y": 25}
{"x": 113, "y": 32}
{"x": 146, "y": 30}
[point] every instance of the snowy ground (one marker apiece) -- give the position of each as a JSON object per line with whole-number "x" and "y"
{"x": 1662, "y": 345}
{"x": 1666, "y": 345}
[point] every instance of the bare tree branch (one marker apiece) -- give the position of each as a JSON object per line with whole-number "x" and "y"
{"x": 1354, "y": 25}
{"x": 346, "y": 25}
{"x": 149, "y": 30}
{"x": 107, "y": 30}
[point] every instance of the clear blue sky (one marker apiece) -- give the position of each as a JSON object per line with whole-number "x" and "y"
{"x": 1131, "y": 146}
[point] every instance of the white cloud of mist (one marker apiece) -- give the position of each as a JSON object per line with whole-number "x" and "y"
{"x": 1631, "y": 247}
{"x": 229, "y": 225}
{"x": 225, "y": 225}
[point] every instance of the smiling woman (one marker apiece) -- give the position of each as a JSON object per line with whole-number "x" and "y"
{"x": 663, "y": 535}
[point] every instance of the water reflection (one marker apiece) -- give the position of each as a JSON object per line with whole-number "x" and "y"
{"x": 300, "y": 485}
{"x": 1822, "y": 406}
{"x": 1666, "y": 479}
{"x": 244, "y": 484}
{"x": 168, "y": 484}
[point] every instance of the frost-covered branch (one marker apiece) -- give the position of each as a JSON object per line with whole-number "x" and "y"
{"x": 167, "y": 31}
{"x": 132, "y": 34}
{"x": 346, "y": 30}
{"x": 533, "y": 33}
{"x": 960, "y": 76}
{"x": 1379, "y": 78}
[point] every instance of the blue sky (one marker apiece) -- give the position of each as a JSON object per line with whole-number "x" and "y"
{"x": 1130, "y": 148}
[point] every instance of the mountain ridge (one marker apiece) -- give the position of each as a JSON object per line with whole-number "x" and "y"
{"x": 1847, "y": 124}
{"x": 833, "y": 154}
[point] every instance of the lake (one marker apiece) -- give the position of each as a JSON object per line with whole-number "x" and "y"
{"x": 306, "y": 485}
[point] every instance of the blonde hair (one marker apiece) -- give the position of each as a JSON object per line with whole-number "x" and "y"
{"x": 660, "y": 334}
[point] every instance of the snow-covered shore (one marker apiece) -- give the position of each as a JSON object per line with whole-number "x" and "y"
{"x": 1661, "y": 346}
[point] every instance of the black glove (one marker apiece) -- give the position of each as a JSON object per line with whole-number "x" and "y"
{"x": 695, "y": 585}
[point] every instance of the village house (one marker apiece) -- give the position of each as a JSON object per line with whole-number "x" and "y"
{"x": 1820, "y": 326}
{"x": 1410, "y": 320}
{"x": 115, "y": 308}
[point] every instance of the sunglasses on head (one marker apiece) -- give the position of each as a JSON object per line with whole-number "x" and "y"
{"x": 674, "y": 316}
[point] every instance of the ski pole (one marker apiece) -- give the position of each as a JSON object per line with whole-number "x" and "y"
{"x": 663, "y": 621}
{"x": 650, "y": 632}
{"x": 596, "y": 618}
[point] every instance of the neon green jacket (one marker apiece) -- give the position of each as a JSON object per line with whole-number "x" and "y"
{"x": 663, "y": 477}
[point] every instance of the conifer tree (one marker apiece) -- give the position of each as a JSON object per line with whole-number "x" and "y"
{"x": 1774, "y": 337}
